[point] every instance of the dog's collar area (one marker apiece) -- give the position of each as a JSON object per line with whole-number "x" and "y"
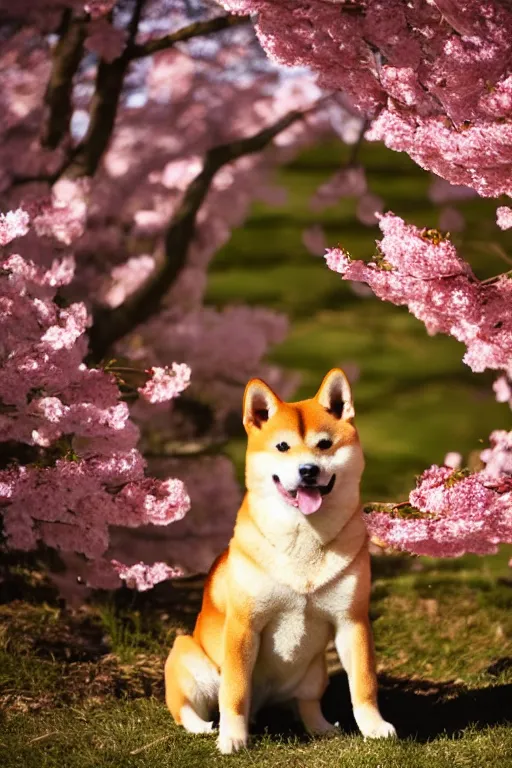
{"x": 291, "y": 496}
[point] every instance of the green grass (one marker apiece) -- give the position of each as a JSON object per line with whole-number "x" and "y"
{"x": 442, "y": 632}
{"x": 110, "y": 737}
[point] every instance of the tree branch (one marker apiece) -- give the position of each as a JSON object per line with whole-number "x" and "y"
{"x": 66, "y": 56}
{"x": 192, "y": 30}
{"x": 85, "y": 159}
{"x": 111, "y": 325}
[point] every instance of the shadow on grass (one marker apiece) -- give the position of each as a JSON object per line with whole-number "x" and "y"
{"x": 419, "y": 709}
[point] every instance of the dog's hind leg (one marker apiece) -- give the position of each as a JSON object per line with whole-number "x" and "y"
{"x": 308, "y": 693}
{"x": 191, "y": 685}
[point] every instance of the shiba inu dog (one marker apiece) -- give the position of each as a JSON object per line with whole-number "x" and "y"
{"x": 296, "y": 574}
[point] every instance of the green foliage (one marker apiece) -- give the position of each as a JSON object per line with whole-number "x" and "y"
{"x": 457, "y": 476}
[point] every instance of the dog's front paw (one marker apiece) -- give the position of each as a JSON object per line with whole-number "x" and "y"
{"x": 371, "y": 724}
{"x": 232, "y": 735}
{"x": 383, "y": 730}
{"x": 228, "y": 744}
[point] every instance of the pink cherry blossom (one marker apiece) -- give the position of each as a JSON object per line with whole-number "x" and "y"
{"x": 64, "y": 218}
{"x": 434, "y": 79}
{"x": 369, "y": 206}
{"x": 441, "y": 191}
{"x": 143, "y": 577}
{"x": 453, "y": 459}
{"x": 455, "y": 513}
{"x": 99, "y": 7}
{"x": 314, "y": 240}
{"x": 348, "y": 182}
{"x": 104, "y": 40}
{"x": 165, "y": 383}
{"x": 13, "y": 224}
{"x": 451, "y": 220}
{"x": 498, "y": 458}
{"x": 503, "y": 390}
{"x": 97, "y": 476}
{"x": 98, "y": 173}
{"x": 504, "y": 217}
{"x": 126, "y": 279}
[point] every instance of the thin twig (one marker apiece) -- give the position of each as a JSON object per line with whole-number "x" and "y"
{"x": 491, "y": 280}
{"x": 44, "y": 736}
{"x": 498, "y": 250}
{"x": 42, "y": 178}
{"x": 356, "y": 147}
{"x": 151, "y": 744}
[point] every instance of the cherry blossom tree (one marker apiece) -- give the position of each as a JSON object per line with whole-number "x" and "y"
{"x": 120, "y": 178}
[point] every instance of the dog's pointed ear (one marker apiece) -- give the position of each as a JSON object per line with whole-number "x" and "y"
{"x": 335, "y": 395}
{"x": 260, "y": 404}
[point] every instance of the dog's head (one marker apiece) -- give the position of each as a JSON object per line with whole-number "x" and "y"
{"x": 303, "y": 453}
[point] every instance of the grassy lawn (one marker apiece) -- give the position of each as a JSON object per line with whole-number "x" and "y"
{"x": 85, "y": 688}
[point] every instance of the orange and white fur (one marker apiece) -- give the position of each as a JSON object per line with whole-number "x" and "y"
{"x": 296, "y": 574}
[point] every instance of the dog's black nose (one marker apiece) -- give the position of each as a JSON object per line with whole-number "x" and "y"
{"x": 309, "y": 472}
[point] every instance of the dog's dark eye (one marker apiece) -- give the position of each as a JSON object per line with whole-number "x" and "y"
{"x": 324, "y": 445}
{"x": 283, "y": 447}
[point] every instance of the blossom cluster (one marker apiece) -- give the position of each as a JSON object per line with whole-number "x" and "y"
{"x": 13, "y": 224}
{"x": 422, "y": 270}
{"x": 192, "y": 543}
{"x": 348, "y": 181}
{"x": 504, "y": 217}
{"x": 503, "y": 389}
{"x": 102, "y": 237}
{"x": 434, "y": 78}
{"x": 143, "y": 577}
{"x": 165, "y": 384}
{"x": 452, "y": 511}
{"x": 81, "y": 471}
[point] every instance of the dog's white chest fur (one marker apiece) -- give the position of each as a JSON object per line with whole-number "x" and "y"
{"x": 293, "y": 636}
{"x": 298, "y": 629}
{"x": 286, "y": 634}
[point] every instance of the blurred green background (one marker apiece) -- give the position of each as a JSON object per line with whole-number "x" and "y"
{"x": 415, "y": 398}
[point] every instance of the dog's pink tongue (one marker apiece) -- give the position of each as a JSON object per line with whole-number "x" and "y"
{"x": 309, "y": 500}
